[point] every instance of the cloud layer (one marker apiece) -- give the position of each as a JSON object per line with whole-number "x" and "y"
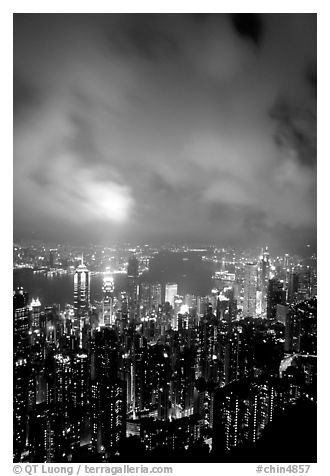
{"x": 199, "y": 127}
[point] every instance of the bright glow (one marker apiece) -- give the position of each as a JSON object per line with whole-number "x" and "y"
{"x": 108, "y": 200}
{"x": 223, "y": 298}
{"x": 64, "y": 359}
{"x": 35, "y": 302}
{"x": 184, "y": 309}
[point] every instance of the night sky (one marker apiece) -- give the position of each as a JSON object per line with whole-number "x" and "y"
{"x": 196, "y": 128}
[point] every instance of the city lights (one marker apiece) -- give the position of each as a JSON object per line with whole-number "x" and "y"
{"x": 146, "y": 354}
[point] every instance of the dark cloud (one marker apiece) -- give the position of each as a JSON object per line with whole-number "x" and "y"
{"x": 248, "y": 25}
{"x": 296, "y": 131}
{"x": 165, "y": 126}
{"x": 24, "y": 94}
{"x": 311, "y": 76}
{"x": 150, "y": 38}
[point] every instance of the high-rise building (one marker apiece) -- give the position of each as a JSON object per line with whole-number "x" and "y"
{"x": 241, "y": 412}
{"x": 79, "y": 394}
{"x": 139, "y": 375}
{"x": 21, "y": 370}
{"x": 202, "y": 303}
{"x": 133, "y": 286}
{"x": 263, "y": 280}
{"x": 81, "y": 297}
{"x": 107, "y": 394}
{"x": 59, "y": 391}
{"x": 144, "y": 301}
{"x": 301, "y": 327}
{"x": 21, "y": 321}
{"x": 171, "y": 290}
{"x": 229, "y": 355}
{"x": 35, "y": 313}
{"x": 53, "y": 257}
{"x": 281, "y": 313}
{"x": 183, "y": 383}
{"x": 275, "y": 296}
{"x": 250, "y": 290}
{"x": 293, "y": 285}
{"x": 112, "y": 407}
{"x": 20, "y": 386}
{"x": 107, "y": 303}
{"x": 106, "y": 354}
{"x": 42, "y": 434}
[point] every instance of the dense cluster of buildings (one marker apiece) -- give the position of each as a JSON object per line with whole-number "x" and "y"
{"x": 166, "y": 370}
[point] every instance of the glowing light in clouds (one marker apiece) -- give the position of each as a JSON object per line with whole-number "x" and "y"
{"x": 102, "y": 197}
{"x": 109, "y": 200}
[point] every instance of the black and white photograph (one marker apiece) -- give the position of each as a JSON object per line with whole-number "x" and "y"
{"x": 164, "y": 240}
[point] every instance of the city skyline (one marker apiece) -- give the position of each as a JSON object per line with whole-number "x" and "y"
{"x": 123, "y": 362}
{"x": 166, "y": 127}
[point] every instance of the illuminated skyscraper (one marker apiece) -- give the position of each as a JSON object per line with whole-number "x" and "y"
{"x": 108, "y": 394}
{"x": 132, "y": 286}
{"x": 21, "y": 368}
{"x": 107, "y": 311}
{"x": 250, "y": 290}
{"x": 21, "y": 321}
{"x": 144, "y": 299}
{"x": 265, "y": 263}
{"x": 263, "y": 281}
{"x": 171, "y": 290}
{"x": 241, "y": 412}
{"x": 301, "y": 327}
{"x": 81, "y": 296}
{"x": 112, "y": 411}
{"x": 79, "y": 393}
{"x": 155, "y": 295}
{"x": 35, "y": 314}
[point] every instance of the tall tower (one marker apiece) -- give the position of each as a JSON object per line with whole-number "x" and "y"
{"x": 264, "y": 279}
{"x": 155, "y": 295}
{"x": 132, "y": 286}
{"x": 293, "y": 285}
{"x": 35, "y": 314}
{"x": 276, "y": 295}
{"x": 250, "y": 289}
{"x": 171, "y": 290}
{"x": 112, "y": 405}
{"x": 21, "y": 321}
{"x": 81, "y": 297}
{"x": 107, "y": 310}
{"x": 79, "y": 393}
{"x": 21, "y": 370}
